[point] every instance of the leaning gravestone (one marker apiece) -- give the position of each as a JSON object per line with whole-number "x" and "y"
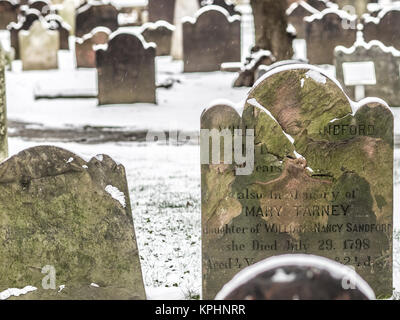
{"x": 363, "y": 70}
{"x": 38, "y": 47}
{"x": 94, "y": 15}
{"x": 126, "y": 69}
{"x": 321, "y": 181}
{"x": 160, "y": 33}
{"x": 325, "y": 31}
{"x": 74, "y": 221}
{"x": 84, "y": 51}
{"x": 296, "y": 14}
{"x": 161, "y": 10}
{"x": 211, "y": 38}
{"x": 57, "y": 23}
{"x": 3, "y": 110}
{"x": 8, "y": 13}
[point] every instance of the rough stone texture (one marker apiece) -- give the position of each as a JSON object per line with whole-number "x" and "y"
{"x": 3, "y": 109}
{"x": 84, "y": 52}
{"x": 385, "y": 28}
{"x": 161, "y": 10}
{"x": 8, "y": 13}
{"x": 211, "y": 39}
{"x": 24, "y": 23}
{"x": 387, "y": 68}
{"x": 161, "y": 34}
{"x": 296, "y": 13}
{"x": 126, "y": 70}
{"x": 323, "y": 34}
{"x": 343, "y": 183}
{"x": 94, "y": 15}
{"x": 57, "y": 23}
{"x": 54, "y": 210}
{"x": 39, "y": 46}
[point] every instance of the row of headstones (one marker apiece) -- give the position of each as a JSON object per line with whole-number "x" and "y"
{"x": 316, "y": 177}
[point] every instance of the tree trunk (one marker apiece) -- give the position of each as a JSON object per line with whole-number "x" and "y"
{"x": 270, "y": 27}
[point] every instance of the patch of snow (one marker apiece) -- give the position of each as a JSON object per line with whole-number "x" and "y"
{"x": 116, "y": 194}
{"x": 61, "y": 288}
{"x": 15, "y": 292}
{"x": 316, "y": 76}
{"x": 281, "y": 276}
{"x": 205, "y": 9}
{"x": 94, "y": 285}
{"x": 85, "y": 166}
{"x": 70, "y": 160}
{"x": 302, "y": 82}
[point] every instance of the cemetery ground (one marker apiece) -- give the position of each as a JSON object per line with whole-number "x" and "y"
{"x": 164, "y": 180}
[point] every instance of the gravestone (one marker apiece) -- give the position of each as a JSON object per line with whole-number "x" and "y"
{"x": 39, "y": 47}
{"x": 183, "y": 9}
{"x": 74, "y": 221}
{"x": 226, "y": 4}
{"x": 24, "y": 23}
{"x": 3, "y": 109}
{"x": 160, "y": 33}
{"x": 297, "y": 277}
{"x": 320, "y": 5}
{"x": 126, "y": 69}
{"x": 384, "y": 27}
{"x": 320, "y": 182}
{"x": 359, "y": 6}
{"x": 296, "y": 14}
{"x": 325, "y": 31}
{"x": 8, "y": 13}
{"x": 57, "y": 23}
{"x": 94, "y": 15}
{"x": 84, "y": 51}
{"x": 209, "y": 39}
{"x": 161, "y": 10}
{"x": 40, "y": 5}
{"x": 67, "y": 11}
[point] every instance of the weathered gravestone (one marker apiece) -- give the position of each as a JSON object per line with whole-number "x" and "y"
{"x": 321, "y": 181}
{"x": 8, "y": 13}
{"x": 73, "y": 217}
{"x": 325, "y": 31}
{"x": 126, "y": 69}
{"x": 84, "y": 51}
{"x": 24, "y": 23}
{"x": 297, "y": 277}
{"x": 296, "y": 14}
{"x": 369, "y": 69}
{"x": 385, "y": 27}
{"x": 161, "y": 10}
{"x": 226, "y": 4}
{"x": 160, "y": 33}
{"x": 3, "y": 110}
{"x": 57, "y": 23}
{"x": 320, "y": 5}
{"x": 40, "y": 5}
{"x": 94, "y": 15}
{"x": 209, "y": 39}
{"x": 38, "y": 47}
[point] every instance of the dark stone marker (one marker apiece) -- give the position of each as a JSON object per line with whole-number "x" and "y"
{"x": 325, "y": 31}
{"x": 57, "y": 23}
{"x": 126, "y": 70}
{"x": 322, "y": 181}
{"x": 95, "y": 15}
{"x": 8, "y": 13}
{"x": 296, "y": 14}
{"x": 73, "y": 216}
{"x": 210, "y": 39}
{"x": 227, "y": 5}
{"x": 42, "y": 6}
{"x": 297, "y": 277}
{"x": 161, "y": 10}
{"x": 160, "y": 33}
{"x": 84, "y": 52}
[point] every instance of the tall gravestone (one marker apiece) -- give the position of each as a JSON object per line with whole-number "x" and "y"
{"x": 74, "y": 224}
{"x": 325, "y": 31}
{"x": 211, "y": 38}
{"x": 321, "y": 181}
{"x": 296, "y": 14}
{"x": 3, "y": 109}
{"x": 160, "y": 33}
{"x": 84, "y": 47}
{"x": 385, "y": 27}
{"x": 94, "y": 15}
{"x": 38, "y": 47}
{"x": 369, "y": 69}
{"x": 161, "y": 10}
{"x": 57, "y": 23}
{"x": 126, "y": 69}
{"x": 8, "y": 13}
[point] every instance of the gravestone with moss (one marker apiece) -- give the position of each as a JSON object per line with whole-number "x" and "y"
{"x": 3, "y": 110}
{"x": 321, "y": 181}
{"x": 66, "y": 229}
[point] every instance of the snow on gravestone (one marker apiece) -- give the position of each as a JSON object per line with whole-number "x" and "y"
{"x": 57, "y": 23}
{"x": 322, "y": 181}
{"x": 369, "y": 64}
{"x": 211, "y": 38}
{"x": 161, "y": 10}
{"x": 126, "y": 69}
{"x": 297, "y": 277}
{"x": 60, "y": 211}
{"x": 84, "y": 52}
{"x": 296, "y": 14}
{"x": 39, "y": 46}
{"x": 94, "y": 15}
{"x": 3, "y": 113}
{"x": 321, "y": 5}
{"x": 8, "y": 13}
{"x": 160, "y": 33}
{"x": 325, "y": 31}
{"x": 226, "y": 4}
